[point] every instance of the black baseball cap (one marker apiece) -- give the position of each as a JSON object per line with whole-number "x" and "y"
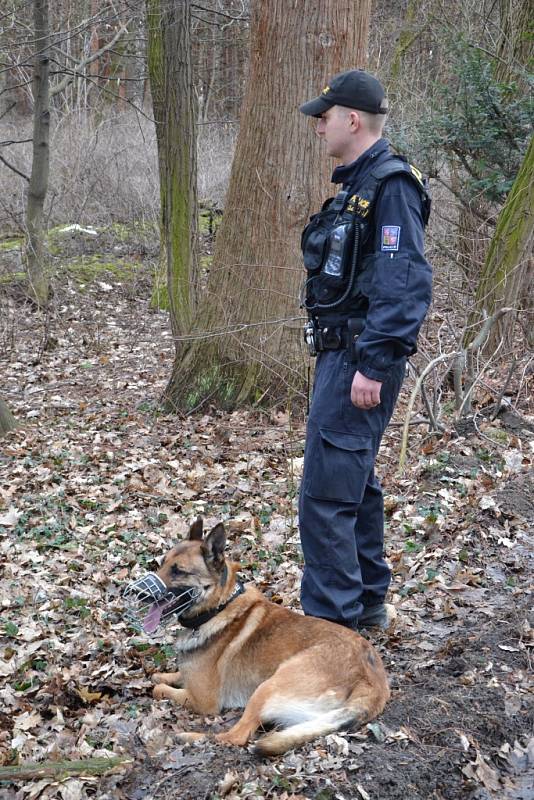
{"x": 354, "y": 89}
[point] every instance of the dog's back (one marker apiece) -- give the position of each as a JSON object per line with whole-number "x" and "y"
{"x": 308, "y": 675}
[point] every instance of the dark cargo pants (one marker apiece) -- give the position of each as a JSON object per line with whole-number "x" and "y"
{"x": 341, "y": 510}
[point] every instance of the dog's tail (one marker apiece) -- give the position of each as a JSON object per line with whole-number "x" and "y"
{"x": 279, "y": 741}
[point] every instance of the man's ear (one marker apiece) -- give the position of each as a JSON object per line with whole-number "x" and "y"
{"x": 213, "y": 547}
{"x": 355, "y": 119}
{"x": 196, "y": 530}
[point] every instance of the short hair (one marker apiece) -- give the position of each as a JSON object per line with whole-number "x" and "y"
{"x": 374, "y": 123}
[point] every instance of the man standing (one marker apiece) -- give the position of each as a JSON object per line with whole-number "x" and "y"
{"x": 367, "y": 291}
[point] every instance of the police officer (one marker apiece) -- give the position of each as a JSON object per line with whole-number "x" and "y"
{"x": 367, "y": 291}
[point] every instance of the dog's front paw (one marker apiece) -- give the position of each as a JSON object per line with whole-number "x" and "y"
{"x": 165, "y": 692}
{"x": 159, "y": 692}
{"x": 170, "y": 678}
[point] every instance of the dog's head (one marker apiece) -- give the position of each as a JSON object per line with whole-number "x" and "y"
{"x": 192, "y": 579}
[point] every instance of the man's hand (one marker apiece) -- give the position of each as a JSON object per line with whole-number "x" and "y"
{"x": 364, "y": 392}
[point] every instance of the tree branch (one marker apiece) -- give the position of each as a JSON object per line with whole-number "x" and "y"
{"x": 409, "y": 409}
{"x": 86, "y": 61}
{"x": 21, "y": 174}
{"x": 61, "y": 769}
{"x": 14, "y": 141}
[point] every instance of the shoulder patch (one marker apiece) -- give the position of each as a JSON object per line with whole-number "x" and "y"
{"x": 390, "y": 238}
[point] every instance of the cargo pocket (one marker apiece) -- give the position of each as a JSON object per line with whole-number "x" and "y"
{"x": 340, "y": 466}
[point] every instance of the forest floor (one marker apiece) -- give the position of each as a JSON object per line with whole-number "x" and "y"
{"x": 96, "y": 480}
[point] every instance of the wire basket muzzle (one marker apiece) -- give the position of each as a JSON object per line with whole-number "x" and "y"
{"x": 149, "y": 602}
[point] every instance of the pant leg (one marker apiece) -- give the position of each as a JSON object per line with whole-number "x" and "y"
{"x": 369, "y": 531}
{"x": 338, "y": 481}
{"x": 331, "y": 581}
{"x": 337, "y": 463}
{"x": 376, "y": 574}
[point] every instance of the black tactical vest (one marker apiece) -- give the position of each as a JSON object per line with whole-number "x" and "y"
{"x": 334, "y": 240}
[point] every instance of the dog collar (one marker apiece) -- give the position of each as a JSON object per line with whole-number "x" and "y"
{"x": 200, "y": 619}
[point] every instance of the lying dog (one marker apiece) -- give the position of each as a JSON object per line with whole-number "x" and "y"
{"x": 308, "y": 675}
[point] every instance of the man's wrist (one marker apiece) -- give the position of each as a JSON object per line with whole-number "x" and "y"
{"x": 373, "y": 374}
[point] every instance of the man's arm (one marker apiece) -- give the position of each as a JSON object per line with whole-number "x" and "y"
{"x": 398, "y": 284}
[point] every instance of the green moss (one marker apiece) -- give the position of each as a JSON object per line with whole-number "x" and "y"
{"x": 86, "y": 269}
{"x": 160, "y": 293}
{"x": 212, "y": 383}
{"x": 12, "y": 277}
{"x": 497, "y": 434}
{"x": 125, "y": 232}
{"x": 208, "y": 222}
{"x": 11, "y": 243}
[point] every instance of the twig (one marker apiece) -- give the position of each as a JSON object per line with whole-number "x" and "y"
{"x": 420, "y": 379}
{"x": 6, "y": 162}
{"x": 498, "y": 401}
{"x": 32, "y": 770}
{"x": 466, "y": 402}
{"x": 466, "y": 356}
{"x": 487, "y": 325}
{"x": 432, "y": 417}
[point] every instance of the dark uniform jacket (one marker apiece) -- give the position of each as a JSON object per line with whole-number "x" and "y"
{"x": 394, "y": 278}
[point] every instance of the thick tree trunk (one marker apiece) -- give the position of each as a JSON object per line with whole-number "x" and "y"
{"x": 7, "y": 420}
{"x": 508, "y": 265}
{"x": 244, "y": 349}
{"x": 38, "y": 186}
{"x": 169, "y": 65}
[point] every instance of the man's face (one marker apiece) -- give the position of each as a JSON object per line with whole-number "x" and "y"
{"x": 337, "y": 128}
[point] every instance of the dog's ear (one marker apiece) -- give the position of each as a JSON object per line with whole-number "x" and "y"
{"x": 213, "y": 546}
{"x": 196, "y": 530}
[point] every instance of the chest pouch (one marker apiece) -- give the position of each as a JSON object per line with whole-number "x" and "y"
{"x": 315, "y": 241}
{"x": 338, "y": 252}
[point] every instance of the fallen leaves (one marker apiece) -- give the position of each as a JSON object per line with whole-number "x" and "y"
{"x": 98, "y": 486}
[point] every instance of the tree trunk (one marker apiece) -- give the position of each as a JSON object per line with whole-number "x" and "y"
{"x": 7, "y": 420}
{"x": 169, "y": 66}
{"x": 244, "y": 349}
{"x": 516, "y": 44}
{"x": 94, "y": 46}
{"x": 508, "y": 264}
{"x": 38, "y": 186}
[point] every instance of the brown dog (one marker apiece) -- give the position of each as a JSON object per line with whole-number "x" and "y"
{"x": 310, "y": 676}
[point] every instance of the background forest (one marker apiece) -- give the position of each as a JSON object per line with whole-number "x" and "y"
{"x": 155, "y": 176}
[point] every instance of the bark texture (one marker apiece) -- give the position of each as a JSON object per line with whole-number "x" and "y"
{"x": 38, "y": 186}
{"x": 516, "y": 46}
{"x": 244, "y": 351}
{"x": 169, "y": 65}
{"x": 7, "y": 420}
{"x": 507, "y": 270}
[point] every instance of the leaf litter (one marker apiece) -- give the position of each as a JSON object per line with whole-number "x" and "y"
{"x": 96, "y": 485}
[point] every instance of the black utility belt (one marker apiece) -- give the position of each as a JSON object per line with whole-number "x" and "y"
{"x": 342, "y": 337}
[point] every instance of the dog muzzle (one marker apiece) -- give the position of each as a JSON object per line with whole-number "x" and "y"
{"x": 149, "y": 602}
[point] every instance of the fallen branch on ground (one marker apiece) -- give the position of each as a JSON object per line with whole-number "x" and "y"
{"x": 31, "y": 770}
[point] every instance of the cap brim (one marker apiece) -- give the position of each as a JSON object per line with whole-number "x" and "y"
{"x": 314, "y": 108}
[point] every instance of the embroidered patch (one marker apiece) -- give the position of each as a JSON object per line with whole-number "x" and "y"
{"x": 390, "y": 237}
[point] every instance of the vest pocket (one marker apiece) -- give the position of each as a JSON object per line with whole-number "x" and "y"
{"x": 341, "y": 464}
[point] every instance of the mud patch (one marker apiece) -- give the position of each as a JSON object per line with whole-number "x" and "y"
{"x": 516, "y": 498}
{"x": 451, "y": 724}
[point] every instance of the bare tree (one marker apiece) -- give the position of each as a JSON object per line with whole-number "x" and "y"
{"x": 241, "y": 347}
{"x": 38, "y": 183}
{"x": 169, "y": 63}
